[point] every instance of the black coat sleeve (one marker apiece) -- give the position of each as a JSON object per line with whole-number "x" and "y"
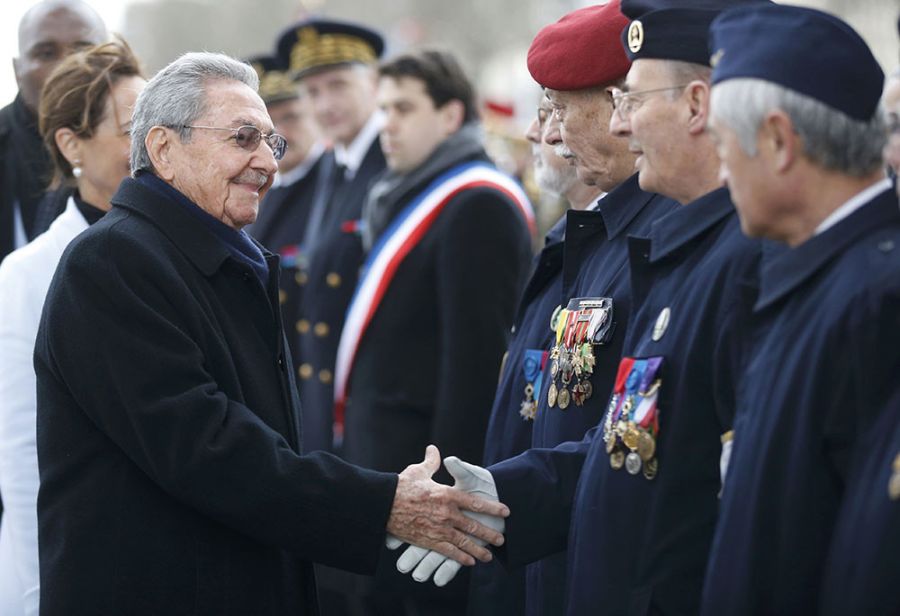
{"x": 115, "y": 335}
{"x": 483, "y": 258}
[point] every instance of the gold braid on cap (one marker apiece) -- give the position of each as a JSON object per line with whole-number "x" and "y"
{"x": 313, "y": 49}
{"x": 275, "y": 85}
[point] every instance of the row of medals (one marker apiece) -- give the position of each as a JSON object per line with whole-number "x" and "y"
{"x": 565, "y": 363}
{"x": 628, "y": 444}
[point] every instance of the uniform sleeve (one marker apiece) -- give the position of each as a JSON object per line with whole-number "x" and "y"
{"x": 114, "y": 336}
{"x": 483, "y": 258}
{"x": 539, "y": 488}
{"x": 19, "y": 314}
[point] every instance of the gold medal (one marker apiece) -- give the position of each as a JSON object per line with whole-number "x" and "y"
{"x": 563, "y": 399}
{"x": 617, "y": 459}
{"x": 620, "y": 427}
{"x": 587, "y": 389}
{"x": 651, "y": 468}
{"x": 528, "y": 410}
{"x": 551, "y": 395}
{"x": 610, "y": 442}
{"x": 646, "y": 446}
{"x": 894, "y": 487}
{"x": 631, "y": 436}
{"x": 896, "y": 465}
{"x": 633, "y": 463}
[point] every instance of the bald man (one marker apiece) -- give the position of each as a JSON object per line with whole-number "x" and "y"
{"x": 48, "y": 31}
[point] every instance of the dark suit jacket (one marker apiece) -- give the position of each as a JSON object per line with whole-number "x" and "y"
{"x": 168, "y": 433}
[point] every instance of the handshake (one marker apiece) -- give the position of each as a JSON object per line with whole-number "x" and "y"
{"x": 445, "y": 527}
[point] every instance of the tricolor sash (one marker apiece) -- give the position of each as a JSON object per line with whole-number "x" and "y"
{"x": 404, "y": 234}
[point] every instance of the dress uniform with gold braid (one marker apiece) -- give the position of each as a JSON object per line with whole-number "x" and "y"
{"x": 284, "y": 211}
{"x": 331, "y": 251}
{"x": 635, "y": 501}
{"x": 824, "y": 365}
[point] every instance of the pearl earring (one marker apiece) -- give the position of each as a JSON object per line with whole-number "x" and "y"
{"x": 76, "y": 169}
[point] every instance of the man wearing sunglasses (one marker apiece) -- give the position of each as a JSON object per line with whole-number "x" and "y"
{"x": 173, "y": 479}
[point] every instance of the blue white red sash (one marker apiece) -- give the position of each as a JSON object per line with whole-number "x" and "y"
{"x": 404, "y": 233}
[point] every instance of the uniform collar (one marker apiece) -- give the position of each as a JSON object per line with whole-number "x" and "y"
{"x": 687, "y": 222}
{"x": 557, "y": 232}
{"x": 617, "y": 208}
{"x": 191, "y": 235}
{"x": 351, "y": 156}
{"x": 789, "y": 269}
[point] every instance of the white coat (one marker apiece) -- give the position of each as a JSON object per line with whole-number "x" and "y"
{"x": 25, "y": 276}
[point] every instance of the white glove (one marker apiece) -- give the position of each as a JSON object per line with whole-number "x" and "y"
{"x": 473, "y": 480}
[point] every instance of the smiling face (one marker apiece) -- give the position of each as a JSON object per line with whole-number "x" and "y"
{"x": 600, "y": 159}
{"x": 224, "y": 179}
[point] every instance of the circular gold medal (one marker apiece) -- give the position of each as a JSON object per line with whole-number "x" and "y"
{"x": 617, "y": 459}
{"x": 631, "y": 437}
{"x": 651, "y": 468}
{"x": 563, "y": 399}
{"x": 551, "y": 395}
{"x": 620, "y": 427}
{"x": 633, "y": 463}
{"x": 646, "y": 446}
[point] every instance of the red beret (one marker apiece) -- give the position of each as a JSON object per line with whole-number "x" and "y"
{"x": 581, "y": 50}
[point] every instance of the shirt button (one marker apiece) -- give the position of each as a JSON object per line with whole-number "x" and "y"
{"x": 321, "y": 329}
{"x": 325, "y": 376}
{"x": 302, "y": 326}
{"x": 333, "y": 280}
{"x": 305, "y": 371}
{"x": 301, "y": 278}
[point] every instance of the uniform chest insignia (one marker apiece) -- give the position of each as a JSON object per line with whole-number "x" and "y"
{"x": 585, "y": 322}
{"x": 631, "y": 426}
{"x": 662, "y": 324}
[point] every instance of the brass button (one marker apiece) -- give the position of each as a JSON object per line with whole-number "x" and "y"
{"x": 305, "y": 371}
{"x": 321, "y": 329}
{"x": 325, "y": 376}
{"x": 282, "y": 296}
{"x": 301, "y": 278}
{"x": 302, "y": 326}
{"x": 333, "y": 280}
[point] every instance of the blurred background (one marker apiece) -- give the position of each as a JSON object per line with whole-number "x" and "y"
{"x": 491, "y": 39}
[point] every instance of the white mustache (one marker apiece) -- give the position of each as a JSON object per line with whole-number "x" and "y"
{"x": 562, "y": 151}
{"x": 252, "y": 177}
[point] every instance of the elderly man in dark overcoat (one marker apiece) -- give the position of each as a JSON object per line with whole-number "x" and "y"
{"x": 169, "y": 440}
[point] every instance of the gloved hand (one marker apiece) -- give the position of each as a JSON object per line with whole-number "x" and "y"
{"x": 473, "y": 480}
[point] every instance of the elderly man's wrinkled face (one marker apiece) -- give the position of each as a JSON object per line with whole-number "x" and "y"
{"x": 649, "y": 116}
{"x": 600, "y": 158}
{"x": 45, "y": 38}
{"x": 552, "y": 172}
{"x": 224, "y": 179}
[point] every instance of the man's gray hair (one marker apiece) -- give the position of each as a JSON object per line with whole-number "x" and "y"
{"x": 831, "y": 138}
{"x": 176, "y": 97}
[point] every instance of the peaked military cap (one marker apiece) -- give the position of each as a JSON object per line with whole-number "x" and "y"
{"x": 581, "y": 50}
{"x": 669, "y": 30}
{"x": 317, "y": 44}
{"x": 275, "y": 85}
{"x": 808, "y": 51}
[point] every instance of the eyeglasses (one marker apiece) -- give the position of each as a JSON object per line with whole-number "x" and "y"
{"x": 248, "y": 138}
{"x": 626, "y": 103}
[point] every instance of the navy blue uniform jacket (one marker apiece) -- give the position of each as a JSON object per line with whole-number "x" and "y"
{"x": 169, "y": 435}
{"x": 595, "y": 265}
{"x": 494, "y": 589}
{"x": 328, "y": 270}
{"x": 638, "y": 546}
{"x": 825, "y": 364}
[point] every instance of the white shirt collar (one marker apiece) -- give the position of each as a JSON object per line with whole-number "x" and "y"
{"x": 351, "y": 156}
{"x": 854, "y": 203}
{"x": 299, "y": 172}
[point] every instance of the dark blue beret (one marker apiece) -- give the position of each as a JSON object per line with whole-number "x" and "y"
{"x": 315, "y": 44}
{"x": 808, "y": 51}
{"x": 668, "y": 30}
{"x": 275, "y": 84}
